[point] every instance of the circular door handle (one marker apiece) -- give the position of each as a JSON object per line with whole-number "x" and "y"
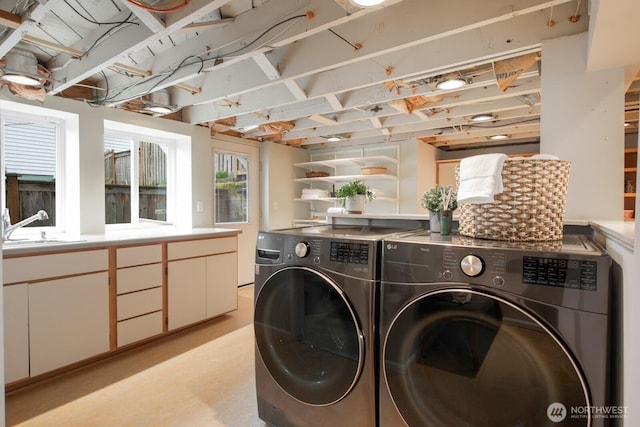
{"x": 472, "y": 265}
{"x": 302, "y": 249}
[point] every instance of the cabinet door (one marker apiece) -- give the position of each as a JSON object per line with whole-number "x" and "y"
{"x": 16, "y": 332}
{"x": 187, "y": 295}
{"x": 222, "y": 283}
{"x": 68, "y": 320}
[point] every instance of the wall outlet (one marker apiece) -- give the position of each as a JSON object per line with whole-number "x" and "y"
{"x": 199, "y": 206}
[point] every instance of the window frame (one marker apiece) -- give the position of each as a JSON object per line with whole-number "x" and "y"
{"x": 139, "y": 134}
{"x": 19, "y": 112}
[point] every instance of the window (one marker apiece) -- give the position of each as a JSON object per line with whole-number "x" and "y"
{"x": 135, "y": 178}
{"x": 32, "y": 146}
{"x": 231, "y": 178}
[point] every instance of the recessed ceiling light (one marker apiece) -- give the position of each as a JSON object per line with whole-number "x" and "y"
{"x": 159, "y": 109}
{"x": 451, "y": 83}
{"x": 367, "y": 3}
{"x": 334, "y": 138}
{"x": 482, "y": 117}
{"x": 627, "y": 124}
{"x": 501, "y": 136}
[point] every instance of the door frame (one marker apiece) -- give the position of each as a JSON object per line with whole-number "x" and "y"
{"x": 246, "y": 239}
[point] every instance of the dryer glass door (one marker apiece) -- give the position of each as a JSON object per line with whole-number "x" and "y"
{"x": 308, "y": 335}
{"x": 459, "y": 357}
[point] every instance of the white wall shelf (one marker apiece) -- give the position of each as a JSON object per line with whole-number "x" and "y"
{"x": 344, "y": 166}
{"x": 358, "y": 161}
{"x": 346, "y": 178}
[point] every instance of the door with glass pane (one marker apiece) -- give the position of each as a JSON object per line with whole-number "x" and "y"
{"x": 236, "y": 198}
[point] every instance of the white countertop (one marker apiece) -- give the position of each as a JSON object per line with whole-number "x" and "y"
{"x": 64, "y": 242}
{"x": 622, "y": 232}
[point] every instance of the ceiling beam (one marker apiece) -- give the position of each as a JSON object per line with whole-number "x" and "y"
{"x": 150, "y": 20}
{"x": 482, "y": 45}
{"x": 233, "y": 44}
{"x": 37, "y": 14}
{"x": 117, "y": 50}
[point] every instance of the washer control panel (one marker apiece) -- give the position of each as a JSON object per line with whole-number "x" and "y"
{"x": 472, "y": 265}
{"x": 555, "y": 276}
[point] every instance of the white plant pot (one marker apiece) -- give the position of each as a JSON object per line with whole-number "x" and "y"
{"x": 434, "y": 222}
{"x": 355, "y": 204}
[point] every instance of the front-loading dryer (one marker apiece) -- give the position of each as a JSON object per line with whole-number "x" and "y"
{"x": 484, "y": 333}
{"x": 314, "y": 320}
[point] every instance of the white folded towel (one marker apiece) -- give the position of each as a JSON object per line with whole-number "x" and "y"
{"x": 480, "y": 178}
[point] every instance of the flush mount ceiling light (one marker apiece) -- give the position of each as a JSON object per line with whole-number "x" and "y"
{"x": 451, "y": 81}
{"x": 21, "y": 67}
{"x": 159, "y": 102}
{"x": 498, "y": 137}
{"x": 333, "y": 138}
{"x": 367, "y": 3}
{"x": 482, "y": 117}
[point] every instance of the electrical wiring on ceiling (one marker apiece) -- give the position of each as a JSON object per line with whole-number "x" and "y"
{"x": 167, "y": 6}
{"x": 93, "y": 21}
{"x": 186, "y": 63}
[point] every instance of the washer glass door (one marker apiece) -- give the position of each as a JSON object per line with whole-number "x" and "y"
{"x": 308, "y": 335}
{"x": 459, "y": 357}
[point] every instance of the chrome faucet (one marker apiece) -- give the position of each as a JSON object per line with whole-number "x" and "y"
{"x": 7, "y": 228}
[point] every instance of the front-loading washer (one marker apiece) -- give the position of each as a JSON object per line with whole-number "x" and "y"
{"x": 314, "y": 319}
{"x": 486, "y": 333}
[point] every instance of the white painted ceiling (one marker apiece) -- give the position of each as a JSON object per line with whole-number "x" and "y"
{"x": 302, "y": 71}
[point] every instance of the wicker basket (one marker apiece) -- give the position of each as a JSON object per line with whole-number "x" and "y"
{"x": 373, "y": 170}
{"x": 316, "y": 174}
{"x": 531, "y": 207}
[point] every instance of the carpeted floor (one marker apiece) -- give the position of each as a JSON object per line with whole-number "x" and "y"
{"x": 200, "y": 377}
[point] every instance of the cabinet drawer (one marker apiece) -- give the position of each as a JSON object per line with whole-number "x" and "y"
{"x": 138, "y": 255}
{"x": 197, "y": 248}
{"x": 28, "y": 268}
{"x": 137, "y": 303}
{"x": 139, "y": 328}
{"x": 137, "y": 278}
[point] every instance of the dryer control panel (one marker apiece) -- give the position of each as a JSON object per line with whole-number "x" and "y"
{"x": 567, "y": 278}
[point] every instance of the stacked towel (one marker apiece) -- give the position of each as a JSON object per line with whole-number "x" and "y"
{"x": 480, "y": 178}
{"x": 314, "y": 193}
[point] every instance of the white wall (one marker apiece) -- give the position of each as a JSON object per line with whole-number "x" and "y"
{"x": 278, "y": 209}
{"x": 87, "y": 187}
{"x": 581, "y": 120}
{"x": 425, "y": 176}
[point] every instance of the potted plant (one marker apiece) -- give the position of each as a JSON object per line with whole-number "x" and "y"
{"x": 434, "y": 201}
{"x": 353, "y": 196}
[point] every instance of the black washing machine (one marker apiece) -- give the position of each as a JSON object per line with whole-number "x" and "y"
{"x": 486, "y": 333}
{"x": 314, "y": 320}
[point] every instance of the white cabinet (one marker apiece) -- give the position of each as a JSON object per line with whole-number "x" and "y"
{"x": 16, "y": 332}
{"x": 202, "y": 280}
{"x": 68, "y": 320}
{"x": 187, "y": 293}
{"x": 222, "y": 283}
{"x": 138, "y": 293}
{"x": 342, "y": 166}
{"x": 56, "y": 311}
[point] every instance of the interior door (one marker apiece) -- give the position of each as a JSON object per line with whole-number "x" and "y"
{"x": 236, "y": 196}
